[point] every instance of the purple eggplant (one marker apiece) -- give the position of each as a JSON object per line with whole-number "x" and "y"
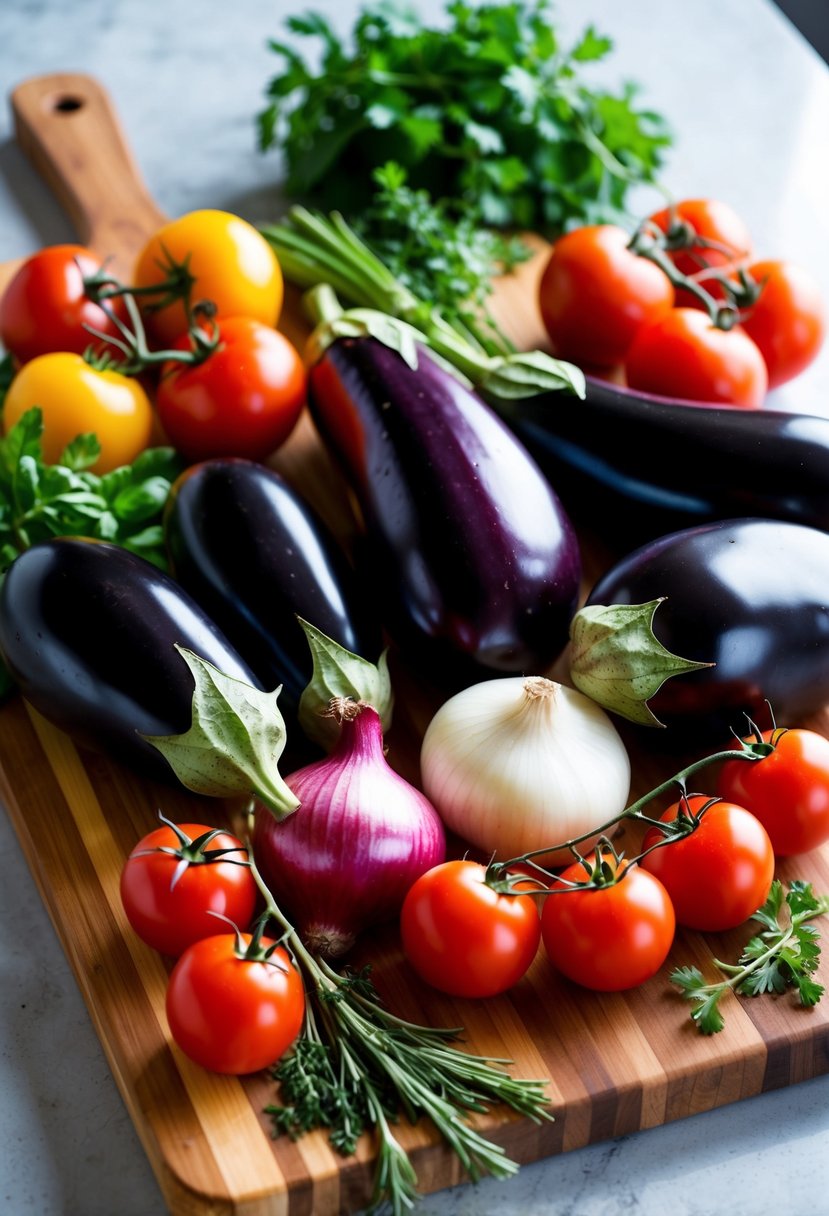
{"x": 634, "y": 466}
{"x": 469, "y": 550}
{"x": 88, "y": 630}
{"x": 252, "y": 553}
{"x": 749, "y": 595}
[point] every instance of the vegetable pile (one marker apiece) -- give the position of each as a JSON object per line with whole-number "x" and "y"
{"x": 184, "y": 608}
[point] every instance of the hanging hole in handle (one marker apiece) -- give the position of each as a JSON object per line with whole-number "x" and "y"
{"x": 67, "y": 104}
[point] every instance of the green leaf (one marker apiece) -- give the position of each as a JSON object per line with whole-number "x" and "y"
{"x": 485, "y": 139}
{"x": 7, "y": 374}
{"x": 689, "y": 979}
{"x": 234, "y": 742}
{"x": 81, "y": 453}
{"x": 617, "y": 660}
{"x": 340, "y": 673}
{"x": 707, "y": 1013}
{"x": 519, "y": 376}
{"x": 592, "y": 46}
{"x": 769, "y": 913}
{"x": 137, "y": 503}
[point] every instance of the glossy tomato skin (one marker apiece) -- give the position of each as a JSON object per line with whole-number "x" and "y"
{"x": 243, "y": 400}
{"x": 233, "y": 264}
{"x": 719, "y": 874}
{"x": 595, "y": 294}
{"x": 611, "y": 938}
{"x": 788, "y": 322}
{"x": 714, "y": 221}
{"x": 462, "y": 937}
{"x": 170, "y": 917}
{"x": 76, "y": 398}
{"x": 45, "y": 308}
{"x": 788, "y": 790}
{"x": 684, "y": 355}
{"x": 233, "y": 1015}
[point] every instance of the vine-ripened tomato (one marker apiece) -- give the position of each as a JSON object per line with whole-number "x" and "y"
{"x": 44, "y": 308}
{"x": 788, "y": 322}
{"x": 170, "y": 912}
{"x": 595, "y": 293}
{"x": 608, "y": 938}
{"x": 788, "y": 790}
{"x": 719, "y": 874}
{"x": 685, "y": 356}
{"x": 713, "y": 221}
{"x": 233, "y": 265}
{"x": 76, "y": 398}
{"x": 465, "y": 938}
{"x": 243, "y": 400}
{"x": 230, "y": 1014}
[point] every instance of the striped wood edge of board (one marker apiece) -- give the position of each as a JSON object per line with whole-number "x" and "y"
{"x": 614, "y": 1063}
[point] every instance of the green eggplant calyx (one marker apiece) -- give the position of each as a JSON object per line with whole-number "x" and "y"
{"x": 529, "y": 374}
{"x": 236, "y": 737}
{"x": 338, "y": 673}
{"x": 617, "y": 660}
{"x": 366, "y": 323}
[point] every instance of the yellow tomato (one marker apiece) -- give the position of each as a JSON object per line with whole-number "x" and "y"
{"x": 233, "y": 264}
{"x": 75, "y": 399}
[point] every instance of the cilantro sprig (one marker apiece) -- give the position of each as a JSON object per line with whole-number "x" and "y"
{"x": 489, "y": 108}
{"x": 784, "y": 955}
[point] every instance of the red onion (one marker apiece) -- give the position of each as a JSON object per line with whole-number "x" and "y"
{"x": 361, "y": 836}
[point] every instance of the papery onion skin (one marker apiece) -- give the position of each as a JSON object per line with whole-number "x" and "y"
{"x": 346, "y": 857}
{"x": 515, "y": 765}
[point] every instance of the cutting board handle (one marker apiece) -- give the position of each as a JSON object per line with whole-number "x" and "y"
{"x": 67, "y": 126}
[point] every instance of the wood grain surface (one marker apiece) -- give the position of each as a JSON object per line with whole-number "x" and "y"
{"x": 614, "y": 1063}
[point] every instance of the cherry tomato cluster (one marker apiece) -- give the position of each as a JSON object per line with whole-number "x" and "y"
{"x": 189, "y": 351}
{"x": 235, "y": 1001}
{"x": 608, "y": 923}
{"x": 681, "y": 309}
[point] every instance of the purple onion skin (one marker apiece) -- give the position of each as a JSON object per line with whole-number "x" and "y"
{"x": 749, "y": 595}
{"x": 344, "y": 860}
{"x": 473, "y": 558}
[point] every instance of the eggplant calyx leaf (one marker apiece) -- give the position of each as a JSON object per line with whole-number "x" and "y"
{"x": 529, "y": 374}
{"x": 234, "y": 742}
{"x": 339, "y": 673}
{"x": 366, "y": 323}
{"x": 617, "y": 660}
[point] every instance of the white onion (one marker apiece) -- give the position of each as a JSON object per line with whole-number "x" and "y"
{"x": 517, "y": 764}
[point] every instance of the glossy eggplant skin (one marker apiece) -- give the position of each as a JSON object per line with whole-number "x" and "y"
{"x": 88, "y": 630}
{"x": 253, "y": 554}
{"x": 633, "y": 466}
{"x": 751, "y": 596}
{"x": 475, "y": 560}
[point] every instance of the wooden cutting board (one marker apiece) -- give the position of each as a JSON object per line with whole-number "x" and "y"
{"x": 614, "y": 1063}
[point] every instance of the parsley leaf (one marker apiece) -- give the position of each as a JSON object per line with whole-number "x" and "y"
{"x": 488, "y": 109}
{"x": 785, "y": 955}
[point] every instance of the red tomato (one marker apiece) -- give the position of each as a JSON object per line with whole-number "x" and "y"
{"x": 230, "y": 1014}
{"x": 595, "y": 294}
{"x": 720, "y": 874}
{"x": 44, "y": 308}
{"x": 713, "y": 221}
{"x": 243, "y": 400}
{"x": 168, "y": 915}
{"x": 608, "y": 938}
{"x": 683, "y": 355}
{"x": 788, "y": 322}
{"x": 463, "y": 937}
{"x": 787, "y": 790}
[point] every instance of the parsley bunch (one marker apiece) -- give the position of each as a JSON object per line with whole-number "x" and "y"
{"x": 491, "y": 111}
{"x": 785, "y": 955}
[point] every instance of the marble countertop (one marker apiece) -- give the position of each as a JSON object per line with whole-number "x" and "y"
{"x": 749, "y": 104}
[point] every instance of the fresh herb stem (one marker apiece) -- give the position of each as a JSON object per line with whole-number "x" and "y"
{"x": 357, "y": 1064}
{"x": 785, "y": 955}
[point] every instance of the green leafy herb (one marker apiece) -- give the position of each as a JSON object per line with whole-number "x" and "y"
{"x": 617, "y": 660}
{"x": 357, "y": 1064}
{"x": 39, "y": 501}
{"x": 784, "y": 955}
{"x": 489, "y": 109}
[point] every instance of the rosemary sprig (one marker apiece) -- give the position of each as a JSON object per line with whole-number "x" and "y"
{"x": 357, "y": 1065}
{"x": 785, "y": 955}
